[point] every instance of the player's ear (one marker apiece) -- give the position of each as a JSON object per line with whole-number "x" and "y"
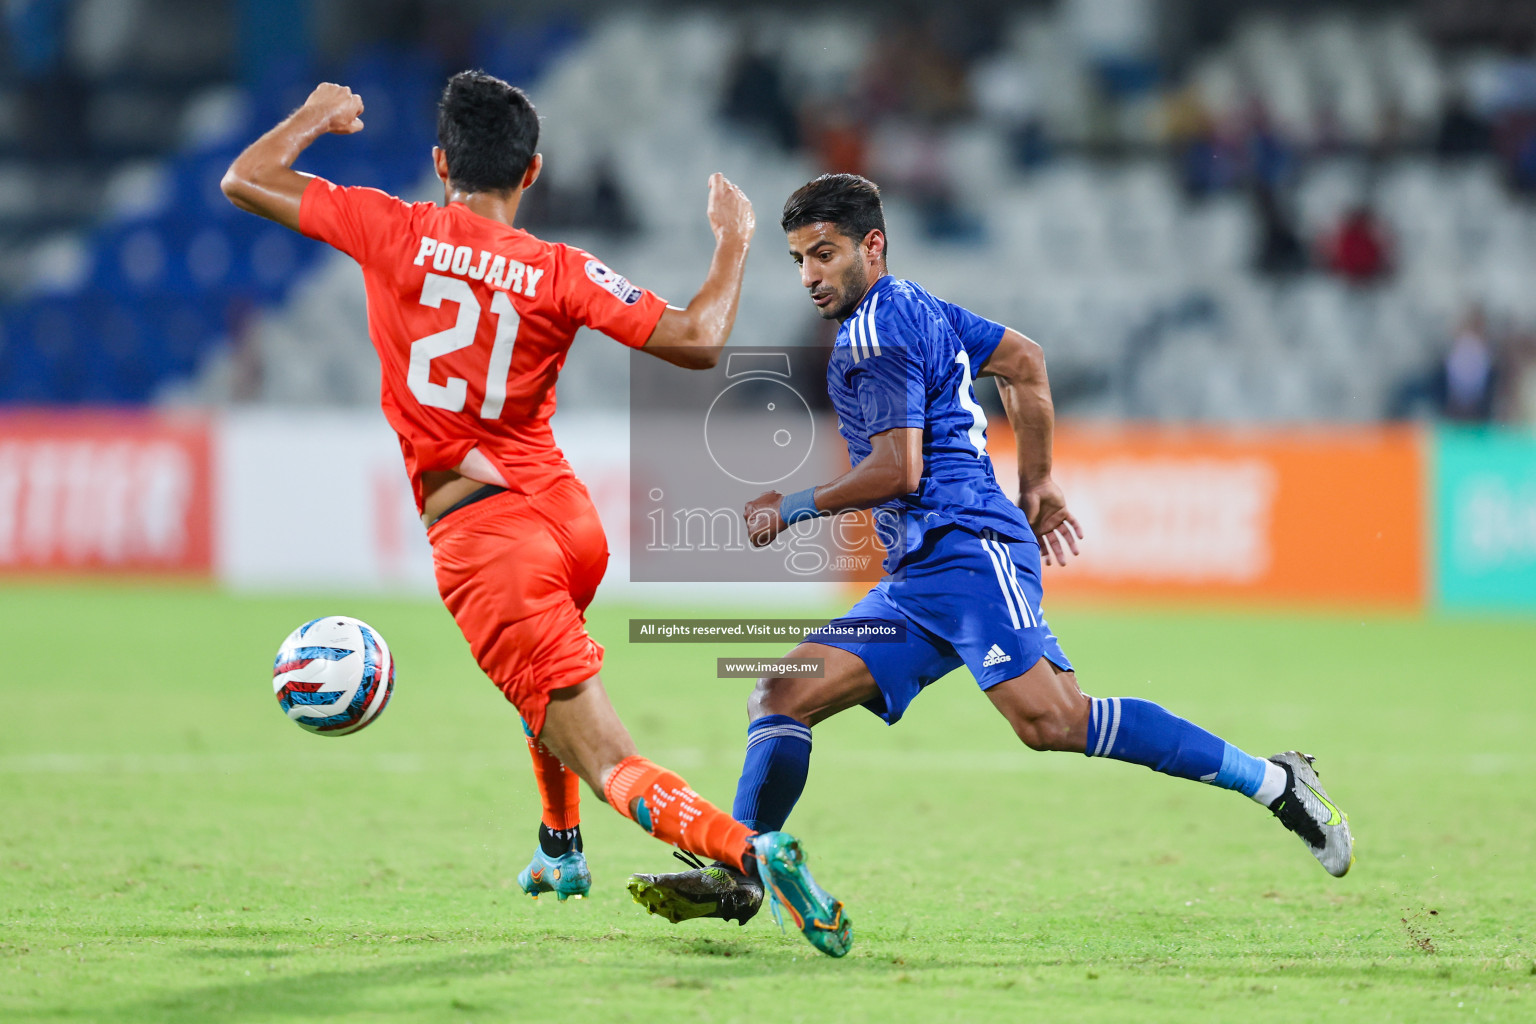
{"x": 535, "y": 165}
{"x": 440, "y": 163}
{"x": 874, "y": 243}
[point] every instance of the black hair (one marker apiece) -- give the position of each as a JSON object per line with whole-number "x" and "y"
{"x": 488, "y": 130}
{"x": 850, "y": 202}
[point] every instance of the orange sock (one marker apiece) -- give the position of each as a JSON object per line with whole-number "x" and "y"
{"x": 663, "y": 804}
{"x": 559, "y": 788}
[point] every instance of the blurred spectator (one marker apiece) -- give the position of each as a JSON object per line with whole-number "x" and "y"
{"x": 35, "y": 33}
{"x": 1359, "y": 250}
{"x": 1461, "y": 132}
{"x": 755, "y": 98}
{"x": 610, "y": 210}
{"x": 1192, "y": 133}
{"x": 596, "y": 204}
{"x": 1007, "y": 95}
{"x": 1519, "y": 379}
{"x": 1511, "y": 106}
{"x": 1216, "y": 158}
{"x": 912, "y": 74}
{"x": 912, "y": 159}
{"x": 1207, "y": 166}
{"x": 1270, "y": 160}
{"x": 939, "y": 88}
{"x": 53, "y": 96}
{"x": 245, "y": 374}
{"x": 1468, "y": 377}
{"x": 945, "y": 220}
{"x": 838, "y": 139}
{"x": 1514, "y": 135}
{"x": 1281, "y": 251}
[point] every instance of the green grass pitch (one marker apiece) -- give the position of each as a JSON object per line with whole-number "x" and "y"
{"x": 171, "y": 849}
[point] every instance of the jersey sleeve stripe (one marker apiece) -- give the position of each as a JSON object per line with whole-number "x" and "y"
{"x": 863, "y": 326}
{"x": 874, "y": 335}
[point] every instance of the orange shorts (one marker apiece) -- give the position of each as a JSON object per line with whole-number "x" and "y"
{"x": 517, "y": 572}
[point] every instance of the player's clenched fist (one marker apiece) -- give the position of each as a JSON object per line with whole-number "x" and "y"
{"x": 341, "y": 108}
{"x": 730, "y": 211}
{"x": 763, "y": 520}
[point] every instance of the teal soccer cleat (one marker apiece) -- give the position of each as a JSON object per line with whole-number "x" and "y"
{"x": 565, "y": 876}
{"x": 820, "y": 918}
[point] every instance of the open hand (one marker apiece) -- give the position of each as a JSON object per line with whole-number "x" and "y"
{"x": 1056, "y": 528}
{"x": 763, "y": 520}
{"x": 340, "y": 107}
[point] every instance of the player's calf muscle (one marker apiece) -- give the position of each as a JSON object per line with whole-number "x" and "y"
{"x": 1051, "y": 731}
{"x": 582, "y": 729}
{"x": 808, "y": 701}
{"x": 774, "y": 696}
{"x": 846, "y": 681}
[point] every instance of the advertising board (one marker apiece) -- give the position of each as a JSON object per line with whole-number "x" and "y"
{"x": 99, "y": 492}
{"x": 1485, "y": 510}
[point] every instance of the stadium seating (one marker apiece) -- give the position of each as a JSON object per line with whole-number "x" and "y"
{"x": 145, "y": 301}
{"x": 1144, "y": 292}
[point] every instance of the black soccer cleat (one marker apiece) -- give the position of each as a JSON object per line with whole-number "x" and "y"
{"x": 714, "y": 890}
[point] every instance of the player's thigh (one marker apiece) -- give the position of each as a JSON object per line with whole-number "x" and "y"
{"x": 583, "y": 730}
{"x": 1045, "y": 707}
{"x": 504, "y": 576}
{"x": 845, "y": 682}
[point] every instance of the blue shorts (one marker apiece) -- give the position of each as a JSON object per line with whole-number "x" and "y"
{"x": 962, "y": 599}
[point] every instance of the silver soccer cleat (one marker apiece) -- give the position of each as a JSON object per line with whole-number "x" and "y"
{"x": 1305, "y": 809}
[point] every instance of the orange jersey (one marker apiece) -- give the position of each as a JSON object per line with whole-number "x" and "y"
{"x": 472, "y": 321}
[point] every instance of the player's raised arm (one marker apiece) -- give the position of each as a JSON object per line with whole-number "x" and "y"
{"x": 1019, "y": 366}
{"x": 693, "y": 336}
{"x": 262, "y": 179}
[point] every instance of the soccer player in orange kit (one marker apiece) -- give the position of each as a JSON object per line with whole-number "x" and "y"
{"x": 472, "y": 319}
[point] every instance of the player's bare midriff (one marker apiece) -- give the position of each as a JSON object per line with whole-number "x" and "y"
{"x": 441, "y": 490}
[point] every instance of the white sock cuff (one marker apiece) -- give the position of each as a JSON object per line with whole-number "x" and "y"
{"x": 1103, "y": 725}
{"x": 1273, "y": 785}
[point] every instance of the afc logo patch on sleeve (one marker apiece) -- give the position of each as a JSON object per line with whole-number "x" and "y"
{"x": 615, "y": 284}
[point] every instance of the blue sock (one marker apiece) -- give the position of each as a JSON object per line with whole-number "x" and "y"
{"x": 1141, "y": 732}
{"x": 773, "y": 777}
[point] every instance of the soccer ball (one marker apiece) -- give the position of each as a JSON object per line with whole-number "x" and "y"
{"x": 333, "y": 675}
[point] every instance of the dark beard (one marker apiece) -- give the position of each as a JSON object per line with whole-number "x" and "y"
{"x": 849, "y": 293}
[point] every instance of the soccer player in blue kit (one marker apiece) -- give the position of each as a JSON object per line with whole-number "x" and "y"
{"x": 963, "y": 560}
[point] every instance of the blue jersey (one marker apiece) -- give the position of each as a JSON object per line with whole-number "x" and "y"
{"x": 907, "y": 359}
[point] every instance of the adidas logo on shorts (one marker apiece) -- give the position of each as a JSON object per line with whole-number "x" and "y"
{"x": 995, "y": 657}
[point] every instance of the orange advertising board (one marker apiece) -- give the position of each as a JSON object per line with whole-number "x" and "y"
{"x": 94, "y": 492}
{"x": 1311, "y": 516}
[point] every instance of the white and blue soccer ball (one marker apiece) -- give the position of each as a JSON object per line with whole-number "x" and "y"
{"x": 333, "y": 675}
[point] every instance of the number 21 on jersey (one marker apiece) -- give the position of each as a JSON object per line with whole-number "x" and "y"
{"x": 436, "y": 290}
